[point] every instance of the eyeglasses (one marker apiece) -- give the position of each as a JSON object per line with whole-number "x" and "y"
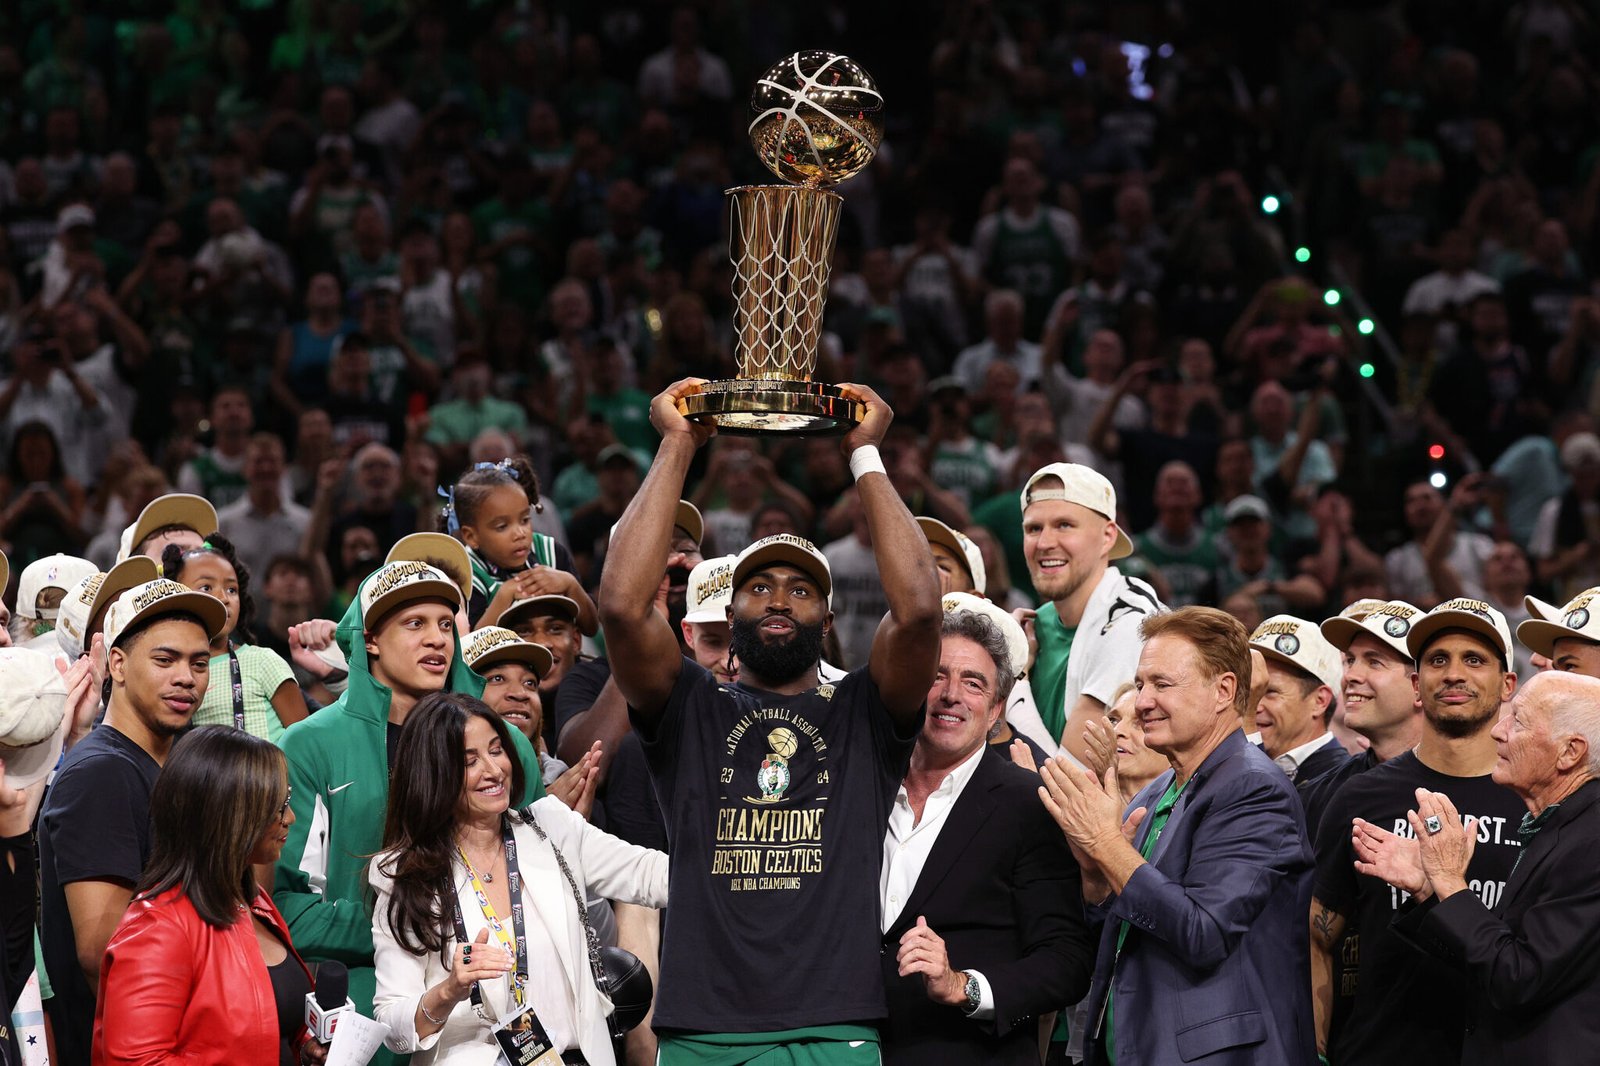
{"x": 283, "y": 812}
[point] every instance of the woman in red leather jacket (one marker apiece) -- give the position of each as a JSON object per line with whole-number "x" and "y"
{"x": 201, "y": 969}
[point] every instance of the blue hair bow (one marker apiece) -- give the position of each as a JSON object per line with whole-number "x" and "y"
{"x": 452, "y": 524}
{"x": 503, "y": 466}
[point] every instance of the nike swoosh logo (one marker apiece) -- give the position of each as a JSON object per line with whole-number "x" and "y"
{"x": 341, "y": 788}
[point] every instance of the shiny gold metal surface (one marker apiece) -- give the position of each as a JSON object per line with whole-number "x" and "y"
{"x": 758, "y": 405}
{"x": 818, "y": 118}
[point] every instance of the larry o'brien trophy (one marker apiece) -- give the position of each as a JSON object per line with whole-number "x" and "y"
{"x": 818, "y": 120}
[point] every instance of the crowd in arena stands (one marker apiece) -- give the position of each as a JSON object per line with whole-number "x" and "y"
{"x": 1215, "y": 575}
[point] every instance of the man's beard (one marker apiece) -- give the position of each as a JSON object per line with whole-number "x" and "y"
{"x": 777, "y": 662}
{"x": 1466, "y": 721}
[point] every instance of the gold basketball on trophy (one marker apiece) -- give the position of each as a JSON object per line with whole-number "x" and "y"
{"x": 818, "y": 119}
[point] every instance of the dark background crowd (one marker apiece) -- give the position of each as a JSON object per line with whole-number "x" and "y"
{"x": 1330, "y": 257}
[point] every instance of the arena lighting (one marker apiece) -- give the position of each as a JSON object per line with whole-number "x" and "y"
{"x": 1436, "y": 452}
{"x": 1302, "y": 254}
{"x": 1365, "y": 327}
{"x": 1331, "y": 297}
{"x": 1367, "y": 370}
{"x": 1270, "y": 205}
{"x": 1438, "y": 480}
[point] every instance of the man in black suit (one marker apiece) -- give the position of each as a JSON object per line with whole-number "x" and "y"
{"x": 1304, "y": 675}
{"x": 1532, "y": 960}
{"x": 983, "y": 925}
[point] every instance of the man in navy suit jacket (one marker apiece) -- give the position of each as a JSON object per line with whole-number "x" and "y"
{"x": 1203, "y": 890}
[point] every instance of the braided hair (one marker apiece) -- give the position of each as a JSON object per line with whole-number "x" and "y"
{"x": 466, "y": 496}
{"x": 174, "y": 559}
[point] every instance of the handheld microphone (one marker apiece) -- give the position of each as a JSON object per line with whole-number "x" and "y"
{"x": 330, "y": 1000}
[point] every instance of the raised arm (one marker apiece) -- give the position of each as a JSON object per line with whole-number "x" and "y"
{"x": 644, "y": 653}
{"x": 905, "y": 652}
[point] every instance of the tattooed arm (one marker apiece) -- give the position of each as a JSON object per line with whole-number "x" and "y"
{"x": 1327, "y": 929}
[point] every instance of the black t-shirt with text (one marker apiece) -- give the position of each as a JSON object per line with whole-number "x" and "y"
{"x": 775, "y": 808}
{"x": 94, "y": 826}
{"x": 1406, "y": 1008}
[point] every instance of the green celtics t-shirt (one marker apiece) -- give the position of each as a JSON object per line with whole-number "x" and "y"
{"x": 1190, "y": 568}
{"x": 1048, "y": 678}
{"x": 775, "y": 810}
{"x": 627, "y": 412}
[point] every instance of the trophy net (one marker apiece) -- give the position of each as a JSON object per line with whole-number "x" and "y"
{"x": 782, "y": 253}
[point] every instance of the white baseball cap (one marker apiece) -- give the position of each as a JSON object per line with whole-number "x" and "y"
{"x": 1579, "y": 619}
{"x": 790, "y": 550}
{"x": 51, "y": 572}
{"x": 1084, "y": 486}
{"x": 161, "y": 597}
{"x": 1246, "y": 506}
{"x": 1010, "y": 628}
{"x": 711, "y": 589}
{"x": 1359, "y": 609}
{"x": 1300, "y": 644}
{"x": 393, "y": 584}
{"x": 434, "y": 549}
{"x": 492, "y": 644}
{"x": 1463, "y": 612}
{"x": 85, "y": 604}
{"x": 173, "y": 509}
{"x": 33, "y": 706}
{"x": 959, "y": 543}
{"x": 1387, "y": 620}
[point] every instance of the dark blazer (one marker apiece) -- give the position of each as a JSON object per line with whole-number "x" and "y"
{"x": 1325, "y": 759}
{"x": 1002, "y": 889}
{"x": 1533, "y": 963}
{"x": 1214, "y": 966}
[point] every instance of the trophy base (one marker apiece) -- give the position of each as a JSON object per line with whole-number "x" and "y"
{"x": 750, "y": 406}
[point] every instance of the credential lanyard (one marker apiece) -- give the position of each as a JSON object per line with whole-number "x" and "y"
{"x": 238, "y": 690}
{"x": 516, "y": 941}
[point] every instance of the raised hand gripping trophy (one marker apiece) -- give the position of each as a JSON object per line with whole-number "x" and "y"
{"x": 818, "y": 120}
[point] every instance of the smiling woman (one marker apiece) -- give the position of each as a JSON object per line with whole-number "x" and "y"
{"x": 474, "y": 900}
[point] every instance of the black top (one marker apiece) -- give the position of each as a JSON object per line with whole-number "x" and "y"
{"x": 289, "y": 990}
{"x": 632, "y": 811}
{"x": 16, "y": 932}
{"x": 95, "y": 826}
{"x": 1409, "y": 1009}
{"x": 775, "y": 808}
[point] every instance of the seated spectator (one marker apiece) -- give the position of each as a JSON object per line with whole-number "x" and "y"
{"x": 1567, "y": 534}
{"x": 42, "y": 504}
{"x": 1251, "y": 571}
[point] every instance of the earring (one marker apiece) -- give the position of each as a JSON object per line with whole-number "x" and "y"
{"x": 730, "y": 661}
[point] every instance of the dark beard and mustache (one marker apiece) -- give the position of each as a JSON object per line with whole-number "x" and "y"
{"x": 1458, "y": 723}
{"x": 775, "y": 662}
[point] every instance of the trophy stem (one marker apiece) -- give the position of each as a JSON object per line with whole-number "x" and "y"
{"x": 781, "y": 243}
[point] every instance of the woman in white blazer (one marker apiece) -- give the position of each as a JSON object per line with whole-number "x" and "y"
{"x": 444, "y": 928}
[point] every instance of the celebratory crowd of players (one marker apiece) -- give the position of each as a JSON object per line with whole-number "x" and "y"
{"x": 1110, "y": 831}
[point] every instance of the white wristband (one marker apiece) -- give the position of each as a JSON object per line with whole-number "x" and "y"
{"x": 866, "y": 460}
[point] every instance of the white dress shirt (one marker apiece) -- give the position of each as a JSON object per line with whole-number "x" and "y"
{"x": 1290, "y": 761}
{"x": 906, "y": 847}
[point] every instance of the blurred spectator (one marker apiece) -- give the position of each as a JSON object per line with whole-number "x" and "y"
{"x": 1411, "y": 578}
{"x": 217, "y": 473}
{"x": 1003, "y": 341}
{"x": 454, "y": 423}
{"x": 1177, "y": 544}
{"x": 1565, "y": 543}
{"x": 1027, "y": 246}
{"x": 264, "y": 520}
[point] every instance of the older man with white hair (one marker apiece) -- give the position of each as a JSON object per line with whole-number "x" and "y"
{"x": 1532, "y": 962}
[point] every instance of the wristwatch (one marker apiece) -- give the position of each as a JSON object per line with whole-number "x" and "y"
{"x": 974, "y": 993}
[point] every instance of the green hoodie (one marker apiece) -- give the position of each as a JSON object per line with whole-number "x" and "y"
{"x": 339, "y": 780}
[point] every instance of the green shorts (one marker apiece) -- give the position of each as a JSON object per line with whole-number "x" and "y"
{"x": 816, "y": 1045}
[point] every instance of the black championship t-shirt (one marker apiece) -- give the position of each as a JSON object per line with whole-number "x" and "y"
{"x": 1407, "y": 1008}
{"x": 775, "y": 807}
{"x": 94, "y": 826}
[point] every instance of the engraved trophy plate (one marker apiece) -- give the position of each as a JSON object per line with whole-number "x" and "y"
{"x": 818, "y": 120}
